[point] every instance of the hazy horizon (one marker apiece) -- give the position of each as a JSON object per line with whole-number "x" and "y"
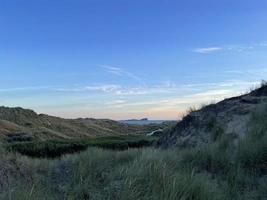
{"x": 136, "y": 59}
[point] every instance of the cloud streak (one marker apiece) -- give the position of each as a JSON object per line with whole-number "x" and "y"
{"x": 118, "y": 71}
{"x": 165, "y": 100}
{"x": 22, "y": 89}
{"x": 118, "y": 90}
{"x": 230, "y": 47}
{"x": 207, "y": 50}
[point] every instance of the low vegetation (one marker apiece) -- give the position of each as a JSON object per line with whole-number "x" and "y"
{"x": 56, "y": 148}
{"x": 18, "y": 124}
{"x": 208, "y": 172}
{"x": 226, "y": 169}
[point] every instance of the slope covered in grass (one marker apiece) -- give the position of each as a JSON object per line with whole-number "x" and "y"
{"x": 18, "y": 123}
{"x": 206, "y": 173}
{"x": 230, "y": 118}
{"x": 222, "y": 170}
{"x": 224, "y": 167}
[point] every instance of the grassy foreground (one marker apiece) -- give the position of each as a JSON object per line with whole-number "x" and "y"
{"x": 57, "y": 148}
{"x": 223, "y": 170}
{"x": 210, "y": 172}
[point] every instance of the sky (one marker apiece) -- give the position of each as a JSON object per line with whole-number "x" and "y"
{"x": 124, "y": 59}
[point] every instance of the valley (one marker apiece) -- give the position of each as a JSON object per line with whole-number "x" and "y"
{"x": 218, "y": 152}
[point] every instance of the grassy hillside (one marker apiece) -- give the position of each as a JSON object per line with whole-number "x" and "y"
{"x": 225, "y": 166}
{"x": 225, "y": 169}
{"x": 228, "y": 118}
{"x": 208, "y": 172}
{"x": 18, "y": 124}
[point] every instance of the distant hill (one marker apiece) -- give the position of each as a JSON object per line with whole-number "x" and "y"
{"x": 146, "y": 121}
{"x": 231, "y": 118}
{"x": 24, "y": 124}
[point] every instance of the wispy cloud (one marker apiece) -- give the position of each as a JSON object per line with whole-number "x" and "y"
{"x": 164, "y": 88}
{"x": 103, "y": 88}
{"x": 230, "y": 47}
{"x": 118, "y": 71}
{"x": 263, "y": 44}
{"x": 207, "y": 50}
{"x": 170, "y": 107}
{"x": 23, "y": 89}
{"x": 256, "y": 73}
{"x": 117, "y": 90}
{"x": 165, "y": 100}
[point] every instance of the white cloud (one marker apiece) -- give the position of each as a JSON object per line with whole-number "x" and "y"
{"x": 165, "y": 88}
{"x": 207, "y": 50}
{"x": 114, "y": 70}
{"x": 103, "y": 88}
{"x": 263, "y": 44}
{"x": 239, "y": 48}
{"x": 165, "y": 100}
{"x": 256, "y": 73}
{"x": 121, "y": 72}
{"x": 30, "y": 88}
{"x": 231, "y": 47}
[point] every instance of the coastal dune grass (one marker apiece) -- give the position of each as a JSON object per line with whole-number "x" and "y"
{"x": 222, "y": 170}
{"x": 102, "y": 174}
{"x": 57, "y": 148}
{"x": 201, "y": 173}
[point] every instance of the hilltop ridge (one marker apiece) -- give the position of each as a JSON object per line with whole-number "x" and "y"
{"x": 24, "y": 124}
{"x": 229, "y": 118}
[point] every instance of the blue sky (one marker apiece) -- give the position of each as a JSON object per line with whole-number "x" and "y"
{"x": 129, "y": 58}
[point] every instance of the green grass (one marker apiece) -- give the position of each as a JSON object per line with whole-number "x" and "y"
{"x": 222, "y": 170}
{"x": 133, "y": 174}
{"x": 56, "y": 148}
{"x": 102, "y": 174}
{"x": 218, "y": 171}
